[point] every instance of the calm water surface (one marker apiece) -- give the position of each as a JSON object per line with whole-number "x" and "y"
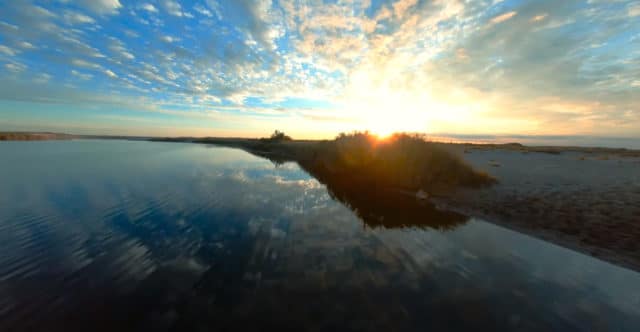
{"x": 120, "y": 235}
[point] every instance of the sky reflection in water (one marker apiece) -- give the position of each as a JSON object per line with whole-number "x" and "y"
{"x": 138, "y": 235}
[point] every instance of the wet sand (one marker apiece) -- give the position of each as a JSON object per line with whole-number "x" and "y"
{"x": 584, "y": 199}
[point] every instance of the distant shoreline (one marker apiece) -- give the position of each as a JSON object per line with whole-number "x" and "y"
{"x": 513, "y": 146}
{"x": 33, "y": 136}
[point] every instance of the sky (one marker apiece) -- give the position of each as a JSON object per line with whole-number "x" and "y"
{"x": 314, "y": 68}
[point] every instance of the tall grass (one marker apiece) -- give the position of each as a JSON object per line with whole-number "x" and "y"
{"x": 402, "y": 160}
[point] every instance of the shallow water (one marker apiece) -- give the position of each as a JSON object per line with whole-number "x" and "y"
{"x": 123, "y": 235}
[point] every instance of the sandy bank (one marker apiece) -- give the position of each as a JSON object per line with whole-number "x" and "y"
{"x": 587, "y": 200}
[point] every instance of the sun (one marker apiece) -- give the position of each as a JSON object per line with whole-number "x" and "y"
{"x": 383, "y": 108}
{"x": 393, "y": 114}
{"x": 381, "y": 130}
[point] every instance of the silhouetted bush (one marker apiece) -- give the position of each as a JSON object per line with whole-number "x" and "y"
{"x": 402, "y": 160}
{"x": 277, "y": 136}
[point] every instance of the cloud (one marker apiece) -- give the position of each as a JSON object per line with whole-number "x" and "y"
{"x": 172, "y": 7}
{"x": 8, "y": 28}
{"x": 85, "y": 64}
{"x": 215, "y": 7}
{"x": 204, "y": 11}
{"x": 496, "y": 64}
{"x": 72, "y": 17}
{"x": 26, "y": 45}
{"x": 82, "y": 76}
{"x": 15, "y": 67}
{"x": 8, "y": 51}
{"x": 118, "y": 48}
{"x": 42, "y": 78}
{"x": 401, "y": 7}
{"x": 503, "y": 17}
{"x": 110, "y": 73}
{"x": 539, "y": 17}
{"x": 149, "y": 7}
{"x": 101, "y": 7}
{"x": 169, "y": 39}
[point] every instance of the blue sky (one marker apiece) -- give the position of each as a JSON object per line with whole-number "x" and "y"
{"x": 314, "y": 68}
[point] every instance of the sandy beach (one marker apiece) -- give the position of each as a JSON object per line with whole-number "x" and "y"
{"x": 585, "y": 199}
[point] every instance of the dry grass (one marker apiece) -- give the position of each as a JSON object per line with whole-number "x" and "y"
{"x": 403, "y": 160}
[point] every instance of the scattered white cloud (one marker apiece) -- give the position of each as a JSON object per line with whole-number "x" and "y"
{"x": 117, "y": 47}
{"x": 539, "y": 17}
{"x": 85, "y": 64}
{"x": 149, "y": 7}
{"x": 82, "y": 76}
{"x": 7, "y": 27}
{"x": 434, "y": 62}
{"x": 169, "y": 39}
{"x": 215, "y": 7}
{"x": 26, "y": 45}
{"x": 15, "y": 67}
{"x": 101, "y": 7}
{"x": 503, "y": 17}
{"x": 204, "y": 11}
{"x": 72, "y": 17}
{"x": 42, "y": 78}
{"x": 8, "y": 50}
{"x": 110, "y": 73}
{"x": 131, "y": 33}
{"x": 172, "y": 7}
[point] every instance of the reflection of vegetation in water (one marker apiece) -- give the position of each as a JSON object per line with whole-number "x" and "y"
{"x": 401, "y": 161}
{"x": 370, "y": 176}
{"x": 385, "y": 207}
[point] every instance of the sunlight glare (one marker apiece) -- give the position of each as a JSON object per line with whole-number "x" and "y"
{"x": 383, "y": 110}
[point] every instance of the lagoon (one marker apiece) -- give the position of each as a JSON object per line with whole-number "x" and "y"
{"x": 136, "y": 235}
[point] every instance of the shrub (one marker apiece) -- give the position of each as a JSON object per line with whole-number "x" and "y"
{"x": 279, "y": 136}
{"x": 403, "y": 160}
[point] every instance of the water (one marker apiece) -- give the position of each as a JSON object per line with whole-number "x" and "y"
{"x": 545, "y": 140}
{"x": 120, "y": 235}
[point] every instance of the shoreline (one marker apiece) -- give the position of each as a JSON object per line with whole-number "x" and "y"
{"x": 444, "y": 141}
{"x": 584, "y": 199}
{"x": 566, "y": 199}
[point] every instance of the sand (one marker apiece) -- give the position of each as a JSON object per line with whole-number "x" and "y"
{"x": 586, "y": 201}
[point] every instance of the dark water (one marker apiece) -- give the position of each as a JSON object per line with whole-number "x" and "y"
{"x": 117, "y": 235}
